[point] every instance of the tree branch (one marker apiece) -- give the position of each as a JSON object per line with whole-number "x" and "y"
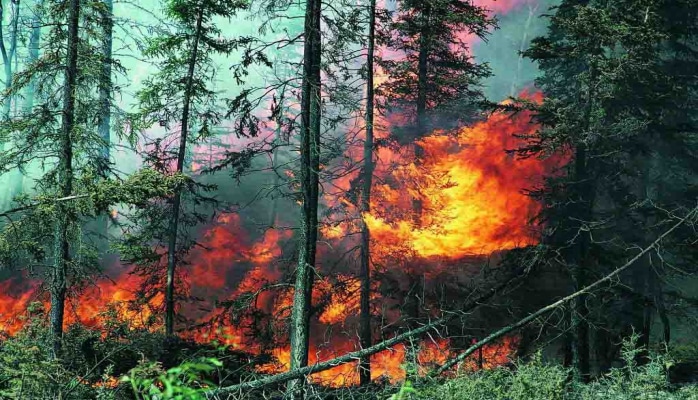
{"x": 27, "y": 207}
{"x": 525, "y": 321}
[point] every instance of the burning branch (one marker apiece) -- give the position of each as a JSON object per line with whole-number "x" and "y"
{"x": 356, "y": 355}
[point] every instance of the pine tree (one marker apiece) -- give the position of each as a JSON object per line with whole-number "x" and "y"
{"x": 57, "y": 132}
{"x": 309, "y": 176}
{"x": 433, "y": 73}
{"x": 433, "y": 78}
{"x": 179, "y": 93}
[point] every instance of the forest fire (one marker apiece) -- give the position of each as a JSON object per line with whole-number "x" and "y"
{"x": 472, "y": 191}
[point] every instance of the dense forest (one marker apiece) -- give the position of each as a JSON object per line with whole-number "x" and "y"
{"x": 394, "y": 199}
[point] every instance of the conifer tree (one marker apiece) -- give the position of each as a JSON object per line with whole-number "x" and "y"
{"x": 56, "y": 131}
{"x": 365, "y": 206}
{"x": 431, "y": 77}
{"x": 309, "y": 175}
{"x": 179, "y": 95}
{"x": 610, "y": 87}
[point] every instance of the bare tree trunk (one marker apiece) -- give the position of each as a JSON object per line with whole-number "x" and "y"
{"x": 174, "y": 221}
{"x": 422, "y": 84}
{"x": 64, "y": 214}
{"x": 7, "y": 58}
{"x": 275, "y": 160}
{"x": 365, "y": 272}
{"x": 310, "y": 166}
{"x": 412, "y": 301}
{"x": 579, "y": 309}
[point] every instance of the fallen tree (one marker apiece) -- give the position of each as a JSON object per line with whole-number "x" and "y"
{"x": 356, "y": 355}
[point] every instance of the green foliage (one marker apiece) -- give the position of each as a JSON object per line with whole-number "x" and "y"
{"x": 95, "y": 362}
{"x": 433, "y": 29}
{"x": 185, "y": 381}
{"x": 533, "y": 380}
{"x": 536, "y": 380}
{"x": 27, "y": 369}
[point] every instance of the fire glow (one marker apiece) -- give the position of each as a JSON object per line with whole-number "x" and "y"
{"x": 473, "y": 193}
{"x": 473, "y": 200}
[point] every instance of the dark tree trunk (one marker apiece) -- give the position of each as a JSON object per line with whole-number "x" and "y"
{"x": 105, "y": 82}
{"x": 412, "y": 303}
{"x": 65, "y": 216}
{"x": 365, "y": 273}
{"x": 422, "y": 85}
{"x": 309, "y": 168}
{"x": 176, "y": 203}
{"x": 579, "y": 309}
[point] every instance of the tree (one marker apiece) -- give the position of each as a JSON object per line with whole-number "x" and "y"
{"x": 433, "y": 78}
{"x": 367, "y": 175}
{"x": 309, "y": 176}
{"x": 609, "y": 88}
{"x": 105, "y": 84}
{"x": 57, "y": 134}
{"x": 179, "y": 93}
{"x": 434, "y": 74}
{"x": 9, "y": 56}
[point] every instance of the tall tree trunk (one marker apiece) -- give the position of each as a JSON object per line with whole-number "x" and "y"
{"x": 412, "y": 301}
{"x": 580, "y": 311}
{"x": 105, "y": 93}
{"x": 275, "y": 160}
{"x": 310, "y": 166}
{"x": 65, "y": 215}
{"x": 176, "y": 203}
{"x": 365, "y": 272}
{"x": 422, "y": 83}
{"x": 105, "y": 81}
{"x": 7, "y": 63}
{"x": 7, "y": 57}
